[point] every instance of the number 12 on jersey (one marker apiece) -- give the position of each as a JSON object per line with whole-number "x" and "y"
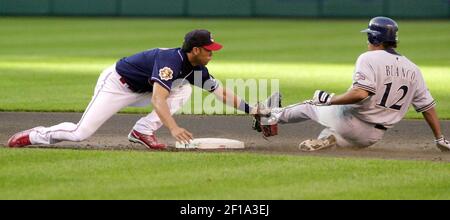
{"x": 386, "y": 94}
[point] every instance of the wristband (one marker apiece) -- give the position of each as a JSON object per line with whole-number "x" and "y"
{"x": 243, "y": 106}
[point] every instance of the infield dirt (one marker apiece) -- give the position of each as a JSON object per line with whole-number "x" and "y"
{"x": 409, "y": 140}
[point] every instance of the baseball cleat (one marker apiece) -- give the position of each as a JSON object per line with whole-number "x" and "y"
{"x": 443, "y": 144}
{"x": 20, "y": 139}
{"x": 147, "y": 140}
{"x": 317, "y": 144}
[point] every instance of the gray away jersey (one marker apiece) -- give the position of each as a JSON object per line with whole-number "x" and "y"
{"x": 394, "y": 83}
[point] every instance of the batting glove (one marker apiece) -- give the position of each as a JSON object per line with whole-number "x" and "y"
{"x": 442, "y": 144}
{"x": 321, "y": 98}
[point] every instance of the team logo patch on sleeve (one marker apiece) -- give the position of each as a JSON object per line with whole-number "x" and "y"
{"x": 166, "y": 73}
{"x": 359, "y": 76}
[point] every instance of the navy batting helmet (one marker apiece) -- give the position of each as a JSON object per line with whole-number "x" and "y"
{"x": 382, "y": 29}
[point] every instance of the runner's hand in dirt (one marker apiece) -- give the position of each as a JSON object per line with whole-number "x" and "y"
{"x": 443, "y": 144}
{"x": 182, "y": 135}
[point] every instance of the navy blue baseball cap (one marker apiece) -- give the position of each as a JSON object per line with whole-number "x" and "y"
{"x": 201, "y": 38}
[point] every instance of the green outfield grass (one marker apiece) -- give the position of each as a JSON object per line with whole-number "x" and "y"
{"x": 72, "y": 174}
{"x": 51, "y": 64}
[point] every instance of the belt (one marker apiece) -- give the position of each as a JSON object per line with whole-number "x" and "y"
{"x": 122, "y": 80}
{"x": 381, "y": 127}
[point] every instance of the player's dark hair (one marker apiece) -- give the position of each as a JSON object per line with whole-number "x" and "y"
{"x": 389, "y": 44}
{"x": 187, "y": 47}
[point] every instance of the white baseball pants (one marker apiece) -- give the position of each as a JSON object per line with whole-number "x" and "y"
{"x": 110, "y": 96}
{"x": 338, "y": 120}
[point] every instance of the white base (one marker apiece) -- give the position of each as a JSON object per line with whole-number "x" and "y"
{"x": 211, "y": 143}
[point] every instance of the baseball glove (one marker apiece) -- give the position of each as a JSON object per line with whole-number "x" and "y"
{"x": 267, "y": 130}
{"x": 260, "y": 119}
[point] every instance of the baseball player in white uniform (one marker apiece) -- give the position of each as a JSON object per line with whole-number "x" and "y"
{"x": 160, "y": 75}
{"x": 385, "y": 84}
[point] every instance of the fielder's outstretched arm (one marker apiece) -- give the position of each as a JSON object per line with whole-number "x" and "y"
{"x": 229, "y": 98}
{"x": 159, "y": 101}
